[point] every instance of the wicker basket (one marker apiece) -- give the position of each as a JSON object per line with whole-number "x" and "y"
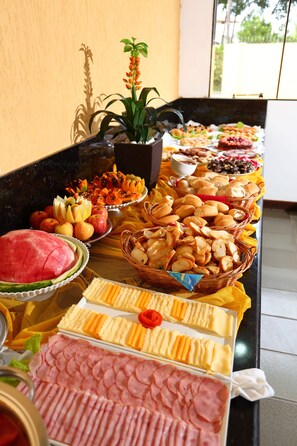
{"x": 246, "y": 203}
{"x": 160, "y": 279}
{"x": 235, "y": 230}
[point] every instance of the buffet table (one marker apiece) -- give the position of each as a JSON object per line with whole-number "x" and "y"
{"x": 47, "y": 178}
{"x": 244, "y": 415}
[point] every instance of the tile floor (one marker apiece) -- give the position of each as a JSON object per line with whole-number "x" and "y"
{"x": 278, "y": 415}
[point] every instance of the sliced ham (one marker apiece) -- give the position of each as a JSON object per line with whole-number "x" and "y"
{"x": 207, "y": 406}
{"x": 144, "y": 371}
{"x": 191, "y": 403}
{"x": 136, "y": 388}
{"x": 167, "y": 397}
{"x": 174, "y": 380}
{"x": 162, "y": 374}
{"x": 121, "y": 380}
{"x": 32, "y": 256}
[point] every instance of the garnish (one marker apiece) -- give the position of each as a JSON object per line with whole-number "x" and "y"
{"x": 150, "y": 318}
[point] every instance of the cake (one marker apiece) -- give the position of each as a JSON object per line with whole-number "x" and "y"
{"x": 234, "y": 142}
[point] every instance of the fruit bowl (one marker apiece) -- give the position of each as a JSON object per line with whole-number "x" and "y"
{"x": 115, "y": 207}
{"x": 44, "y": 293}
{"x": 96, "y": 237}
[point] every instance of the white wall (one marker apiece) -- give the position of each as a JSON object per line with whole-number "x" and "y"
{"x": 195, "y": 47}
{"x": 281, "y": 151}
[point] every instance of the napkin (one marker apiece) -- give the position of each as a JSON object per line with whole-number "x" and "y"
{"x": 251, "y": 384}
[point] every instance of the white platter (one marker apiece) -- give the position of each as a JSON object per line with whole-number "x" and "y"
{"x": 46, "y": 292}
{"x": 182, "y": 328}
{"x": 192, "y": 370}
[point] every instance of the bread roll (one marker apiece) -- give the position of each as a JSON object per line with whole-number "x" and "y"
{"x": 185, "y": 210}
{"x": 183, "y": 185}
{"x": 194, "y": 219}
{"x": 193, "y": 200}
{"x": 197, "y": 183}
{"x": 167, "y": 199}
{"x": 220, "y": 180}
{"x": 225, "y": 220}
{"x": 235, "y": 191}
{"x": 251, "y": 189}
{"x": 206, "y": 211}
{"x": 208, "y": 175}
{"x": 207, "y": 190}
{"x": 222, "y": 207}
{"x": 237, "y": 214}
{"x": 242, "y": 181}
{"x": 169, "y": 219}
{"x": 161, "y": 210}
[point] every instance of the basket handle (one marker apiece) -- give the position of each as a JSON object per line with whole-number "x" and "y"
{"x": 147, "y": 207}
{"x": 125, "y": 235}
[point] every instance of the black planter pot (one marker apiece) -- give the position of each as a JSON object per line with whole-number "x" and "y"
{"x": 143, "y": 160}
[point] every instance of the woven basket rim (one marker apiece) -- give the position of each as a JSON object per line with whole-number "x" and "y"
{"x": 193, "y": 191}
{"x": 147, "y": 206}
{"x": 248, "y": 252}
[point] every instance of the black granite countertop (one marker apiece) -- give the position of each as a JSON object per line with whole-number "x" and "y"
{"x": 244, "y": 415}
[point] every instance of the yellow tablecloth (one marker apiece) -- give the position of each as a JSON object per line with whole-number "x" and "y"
{"x": 27, "y": 319}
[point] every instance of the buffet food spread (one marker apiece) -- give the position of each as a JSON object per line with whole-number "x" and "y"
{"x": 147, "y": 362}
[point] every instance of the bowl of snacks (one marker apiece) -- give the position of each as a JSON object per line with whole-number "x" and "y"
{"x": 216, "y": 255}
{"x": 182, "y": 165}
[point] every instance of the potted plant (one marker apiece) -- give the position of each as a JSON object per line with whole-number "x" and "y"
{"x": 140, "y": 151}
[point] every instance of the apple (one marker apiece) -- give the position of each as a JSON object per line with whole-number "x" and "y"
{"x": 83, "y": 230}
{"x": 64, "y": 229}
{"x": 36, "y": 218}
{"x": 49, "y": 210}
{"x": 48, "y": 224}
{"x": 99, "y": 222}
{"x": 101, "y": 210}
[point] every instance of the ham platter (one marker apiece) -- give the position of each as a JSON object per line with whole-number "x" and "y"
{"x": 88, "y": 388}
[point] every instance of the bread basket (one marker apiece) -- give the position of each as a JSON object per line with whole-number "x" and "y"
{"x": 160, "y": 279}
{"x": 246, "y": 202}
{"x": 235, "y": 230}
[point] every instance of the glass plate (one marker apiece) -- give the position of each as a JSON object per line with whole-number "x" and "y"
{"x": 111, "y": 207}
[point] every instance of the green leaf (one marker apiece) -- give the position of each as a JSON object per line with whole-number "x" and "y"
{"x": 126, "y": 41}
{"x": 144, "y": 94}
{"x": 33, "y": 344}
{"x": 11, "y": 381}
{"x": 127, "y": 48}
{"x": 239, "y": 125}
{"x": 22, "y": 365}
{"x": 152, "y": 115}
{"x": 114, "y": 94}
{"x": 174, "y": 111}
{"x": 143, "y": 51}
{"x": 93, "y": 116}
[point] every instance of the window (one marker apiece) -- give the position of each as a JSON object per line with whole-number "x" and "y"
{"x": 254, "y": 49}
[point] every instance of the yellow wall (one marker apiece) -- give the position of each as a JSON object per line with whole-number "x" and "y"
{"x": 42, "y": 76}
